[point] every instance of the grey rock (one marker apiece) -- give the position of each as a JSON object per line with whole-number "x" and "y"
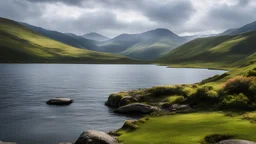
{"x": 95, "y": 137}
{"x": 65, "y": 143}
{"x": 127, "y": 100}
{"x": 59, "y": 101}
{"x": 234, "y": 141}
{"x": 137, "y": 108}
{"x": 7, "y": 142}
{"x": 181, "y": 108}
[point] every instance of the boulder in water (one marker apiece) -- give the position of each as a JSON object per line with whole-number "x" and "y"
{"x": 59, "y": 101}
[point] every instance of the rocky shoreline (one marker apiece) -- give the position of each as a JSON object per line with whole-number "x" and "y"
{"x": 153, "y": 101}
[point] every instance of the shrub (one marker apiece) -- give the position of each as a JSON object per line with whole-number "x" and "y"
{"x": 240, "y": 84}
{"x": 174, "y": 99}
{"x": 159, "y": 91}
{"x": 204, "y": 95}
{"x": 250, "y": 116}
{"x": 251, "y": 73}
{"x": 235, "y": 101}
{"x": 215, "y": 138}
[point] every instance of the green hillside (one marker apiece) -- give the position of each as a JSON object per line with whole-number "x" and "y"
{"x": 213, "y": 52}
{"x": 19, "y": 44}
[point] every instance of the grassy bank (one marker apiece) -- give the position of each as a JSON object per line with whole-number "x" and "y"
{"x": 189, "y": 129}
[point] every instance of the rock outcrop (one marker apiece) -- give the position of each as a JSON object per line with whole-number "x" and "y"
{"x": 127, "y": 100}
{"x": 137, "y": 108}
{"x": 59, "y": 101}
{"x": 95, "y": 137}
{"x": 234, "y": 141}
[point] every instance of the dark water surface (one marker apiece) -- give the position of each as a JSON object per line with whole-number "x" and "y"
{"x": 24, "y": 88}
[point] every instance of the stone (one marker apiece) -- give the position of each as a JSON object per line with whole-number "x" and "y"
{"x": 95, "y": 137}
{"x": 235, "y": 141}
{"x": 127, "y": 100}
{"x": 59, "y": 101}
{"x": 137, "y": 108}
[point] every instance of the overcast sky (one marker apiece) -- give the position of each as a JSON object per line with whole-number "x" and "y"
{"x": 113, "y": 17}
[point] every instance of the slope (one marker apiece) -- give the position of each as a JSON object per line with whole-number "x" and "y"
{"x": 69, "y": 39}
{"x": 18, "y": 44}
{"x": 96, "y": 37}
{"x": 245, "y": 28}
{"x": 221, "y": 51}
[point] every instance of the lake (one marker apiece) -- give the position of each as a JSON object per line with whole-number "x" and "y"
{"x": 24, "y": 88}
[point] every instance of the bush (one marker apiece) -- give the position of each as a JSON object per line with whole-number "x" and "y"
{"x": 204, "y": 96}
{"x": 174, "y": 99}
{"x": 251, "y": 73}
{"x": 235, "y": 101}
{"x": 240, "y": 84}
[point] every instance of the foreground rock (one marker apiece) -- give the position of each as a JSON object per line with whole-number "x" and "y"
{"x": 137, "y": 108}
{"x": 95, "y": 137}
{"x": 59, "y": 101}
{"x": 7, "y": 142}
{"x": 233, "y": 141}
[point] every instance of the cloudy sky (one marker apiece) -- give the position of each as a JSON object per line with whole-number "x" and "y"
{"x": 113, "y": 17}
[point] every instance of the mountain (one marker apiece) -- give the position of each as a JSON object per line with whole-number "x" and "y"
{"x": 96, "y": 37}
{"x": 225, "y": 51}
{"x": 68, "y": 38}
{"x": 228, "y": 32}
{"x": 192, "y": 37}
{"x": 148, "y": 46}
{"x": 19, "y": 44}
{"x": 246, "y": 28}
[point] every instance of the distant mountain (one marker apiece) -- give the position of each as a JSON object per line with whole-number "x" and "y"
{"x": 145, "y": 46}
{"x": 245, "y": 28}
{"x": 225, "y": 51}
{"x": 96, "y": 37}
{"x": 228, "y": 32}
{"x": 20, "y": 44}
{"x": 70, "y": 39}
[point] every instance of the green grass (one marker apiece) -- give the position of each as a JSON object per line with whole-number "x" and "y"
{"x": 188, "y": 129}
{"x": 19, "y": 44}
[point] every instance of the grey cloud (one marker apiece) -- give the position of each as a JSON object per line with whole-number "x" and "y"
{"x": 173, "y": 12}
{"x": 19, "y": 10}
{"x": 71, "y": 2}
{"x": 231, "y": 15}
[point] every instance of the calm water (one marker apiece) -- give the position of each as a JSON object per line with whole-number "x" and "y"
{"x": 24, "y": 88}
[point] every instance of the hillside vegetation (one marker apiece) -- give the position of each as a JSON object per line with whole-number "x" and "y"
{"x": 19, "y": 44}
{"x": 66, "y": 38}
{"x": 215, "y": 52}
